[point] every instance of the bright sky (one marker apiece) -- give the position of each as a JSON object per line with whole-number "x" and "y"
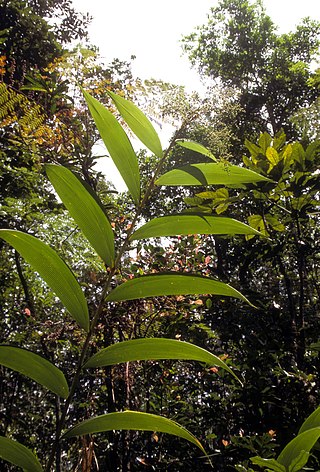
{"x": 152, "y": 30}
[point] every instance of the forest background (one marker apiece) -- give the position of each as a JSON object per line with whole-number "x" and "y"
{"x": 261, "y": 111}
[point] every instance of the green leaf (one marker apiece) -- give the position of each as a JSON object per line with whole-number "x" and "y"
{"x": 210, "y": 174}
{"x": 274, "y": 223}
{"x": 118, "y": 145}
{"x": 132, "y": 420}
{"x": 253, "y": 149}
{"x": 35, "y": 367}
{"x": 34, "y": 88}
{"x": 138, "y": 123}
{"x": 157, "y": 285}
{"x": 313, "y": 421}
{"x": 185, "y": 224}
{"x": 287, "y": 156}
{"x": 303, "y": 442}
{"x": 299, "y": 462}
{"x": 265, "y": 141}
{"x": 193, "y": 201}
{"x": 210, "y": 195}
{"x": 193, "y": 146}
{"x": 19, "y": 455}
{"x": 84, "y": 210}
{"x": 279, "y": 140}
{"x": 221, "y": 208}
{"x": 154, "y": 349}
{"x": 53, "y": 270}
{"x": 221, "y": 194}
{"x": 311, "y": 150}
{"x": 272, "y": 464}
{"x": 220, "y": 199}
{"x": 257, "y": 222}
{"x": 315, "y": 346}
{"x": 298, "y": 154}
{"x": 273, "y": 157}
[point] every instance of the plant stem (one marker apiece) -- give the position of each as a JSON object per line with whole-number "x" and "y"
{"x": 100, "y": 307}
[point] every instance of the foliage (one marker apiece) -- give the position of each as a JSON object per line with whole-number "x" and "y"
{"x": 296, "y": 453}
{"x": 306, "y": 119}
{"x": 41, "y": 43}
{"x": 50, "y": 124}
{"x": 40, "y": 46}
{"x": 273, "y": 348}
{"x": 275, "y": 344}
{"x": 63, "y": 283}
{"x": 271, "y": 72}
{"x": 68, "y": 23}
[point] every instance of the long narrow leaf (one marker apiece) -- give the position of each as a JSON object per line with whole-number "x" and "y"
{"x": 19, "y": 455}
{"x": 313, "y": 421}
{"x": 154, "y": 349}
{"x": 210, "y": 174}
{"x": 172, "y": 284}
{"x": 84, "y": 210}
{"x": 193, "y": 146}
{"x": 35, "y": 367}
{"x": 191, "y": 224}
{"x": 303, "y": 442}
{"x": 138, "y": 123}
{"x": 118, "y": 145}
{"x": 53, "y": 270}
{"x": 132, "y": 420}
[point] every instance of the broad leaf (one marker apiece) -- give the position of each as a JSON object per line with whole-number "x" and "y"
{"x": 313, "y": 421}
{"x": 210, "y": 174}
{"x": 154, "y": 349}
{"x": 171, "y": 284}
{"x": 53, "y": 270}
{"x": 271, "y": 464}
{"x": 185, "y": 224}
{"x": 19, "y": 455}
{"x": 84, "y": 210}
{"x": 303, "y": 442}
{"x": 35, "y": 367}
{"x": 273, "y": 157}
{"x": 265, "y": 141}
{"x": 132, "y": 420}
{"x": 253, "y": 149}
{"x": 221, "y": 194}
{"x": 257, "y": 222}
{"x": 193, "y": 146}
{"x": 299, "y": 154}
{"x": 138, "y": 123}
{"x": 118, "y": 145}
{"x": 274, "y": 222}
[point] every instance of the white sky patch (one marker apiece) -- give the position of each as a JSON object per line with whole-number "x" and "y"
{"x": 152, "y": 32}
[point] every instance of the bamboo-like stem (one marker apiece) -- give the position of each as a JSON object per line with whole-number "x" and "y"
{"x": 105, "y": 291}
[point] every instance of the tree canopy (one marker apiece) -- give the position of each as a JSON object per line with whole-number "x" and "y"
{"x": 240, "y": 47}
